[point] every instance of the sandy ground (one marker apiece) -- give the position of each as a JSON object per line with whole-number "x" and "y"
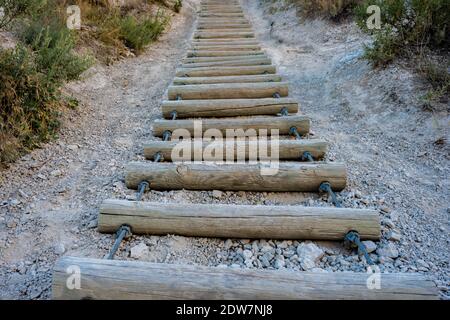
{"x": 373, "y": 121}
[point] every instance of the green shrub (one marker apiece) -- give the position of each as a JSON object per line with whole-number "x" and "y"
{"x": 406, "y": 26}
{"x": 14, "y": 9}
{"x": 326, "y": 8}
{"x": 136, "y": 34}
{"x": 29, "y": 103}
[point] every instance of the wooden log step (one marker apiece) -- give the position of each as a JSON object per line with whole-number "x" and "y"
{"x": 282, "y": 124}
{"x": 283, "y": 177}
{"x": 250, "y": 47}
{"x": 222, "y": 14}
{"x": 104, "y": 279}
{"x": 225, "y": 71}
{"x": 227, "y": 107}
{"x": 230, "y": 79}
{"x": 256, "y": 61}
{"x": 228, "y": 91}
{"x": 229, "y": 41}
{"x": 223, "y": 20}
{"x": 222, "y": 25}
{"x": 218, "y": 10}
{"x": 214, "y": 35}
{"x": 223, "y": 58}
{"x": 219, "y": 53}
{"x": 225, "y": 43}
{"x": 220, "y": 29}
{"x": 286, "y": 149}
{"x": 238, "y": 221}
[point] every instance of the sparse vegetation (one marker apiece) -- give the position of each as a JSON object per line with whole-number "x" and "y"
{"x": 333, "y": 9}
{"x": 48, "y": 55}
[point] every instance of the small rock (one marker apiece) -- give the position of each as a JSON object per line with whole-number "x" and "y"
{"x": 385, "y": 209}
{"x": 309, "y": 254}
{"x": 92, "y": 224}
{"x": 217, "y": 194}
{"x": 14, "y": 202}
{"x": 388, "y": 251}
{"x": 264, "y": 261}
{"x": 394, "y": 236}
{"x": 138, "y": 251}
{"x": 370, "y": 246}
{"x": 56, "y": 173}
{"x": 247, "y": 254}
{"x": 228, "y": 244}
{"x": 279, "y": 262}
{"x": 59, "y": 248}
{"x": 389, "y": 223}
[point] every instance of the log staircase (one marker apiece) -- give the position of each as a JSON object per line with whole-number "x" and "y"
{"x": 226, "y": 82}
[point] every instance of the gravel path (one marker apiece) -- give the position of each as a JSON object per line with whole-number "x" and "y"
{"x": 373, "y": 120}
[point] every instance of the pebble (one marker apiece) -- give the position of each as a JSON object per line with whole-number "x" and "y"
{"x": 59, "y": 249}
{"x": 370, "y": 246}
{"x": 138, "y": 251}
{"x": 394, "y": 236}
{"x": 279, "y": 262}
{"x": 309, "y": 254}
{"x": 217, "y": 194}
{"x": 56, "y": 173}
{"x": 92, "y": 224}
{"x": 388, "y": 251}
{"x": 247, "y": 254}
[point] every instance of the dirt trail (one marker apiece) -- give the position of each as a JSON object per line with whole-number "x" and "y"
{"x": 49, "y": 199}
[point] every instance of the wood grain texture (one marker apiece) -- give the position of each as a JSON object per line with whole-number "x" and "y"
{"x": 223, "y": 58}
{"x": 221, "y": 14}
{"x": 229, "y": 79}
{"x": 238, "y": 221}
{"x": 287, "y": 149}
{"x": 227, "y": 107}
{"x": 215, "y": 35}
{"x": 228, "y": 91}
{"x": 219, "y": 53}
{"x": 256, "y": 61}
{"x": 248, "y": 47}
{"x": 223, "y": 25}
{"x": 289, "y": 176}
{"x": 282, "y": 124}
{"x": 225, "y": 71}
{"x": 134, "y": 280}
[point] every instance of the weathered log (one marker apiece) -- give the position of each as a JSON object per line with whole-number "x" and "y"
{"x": 229, "y": 41}
{"x": 220, "y": 29}
{"x": 239, "y": 125}
{"x": 215, "y": 35}
{"x": 238, "y": 221}
{"x": 226, "y": 48}
{"x": 228, "y": 91}
{"x": 225, "y": 43}
{"x": 215, "y": 59}
{"x": 225, "y": 71}
{"x": 227, "y": 107}
{"x": 242, "y": 150}
{"x": 220, "y": 53}
{"x": 222, "y": 15}
{"x": 282, "y": 176}
{"x": 230, "y": 79}
{"x": 105, "y": 279}
{"x": 206, "y": 26}
{"x": 256, "y": 61}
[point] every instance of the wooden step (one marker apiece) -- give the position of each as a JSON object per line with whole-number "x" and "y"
{"x": 251, "y": 47}
{"x": 227, "y": 107}
{"x": 225, "y": 43}
{"x": 221, "y": 15}
{"x": 256, "y": 61}
{"x": 228, "y": 41}
{"x": 215, "y": 35}
{"x": 228, "y": 91}
{"x": 284, "y": 176}
{"x": 104, "y": 279}
{"x": 220, "y": 53}
{"x": 220, "y": 29}
{"x": 223, "y": 20}
{"x": 217, "y": 150}
{"x": 223, "y": 58}
{"x": 238, "y": 221}
{"x": 225, "y": 71}
{"x": 229, "y": 79}
{"x": 222, "y": 25}
{"x": 240, "y": 125}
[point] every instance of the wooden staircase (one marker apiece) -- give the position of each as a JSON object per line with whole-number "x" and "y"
{"x": 226, "y": 82}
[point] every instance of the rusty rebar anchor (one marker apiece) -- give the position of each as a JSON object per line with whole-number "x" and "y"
{"x": 123, "y": 233}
